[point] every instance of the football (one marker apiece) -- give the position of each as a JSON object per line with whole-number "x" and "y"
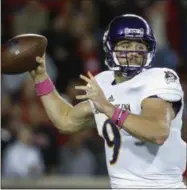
{"x": 19, "y": 54}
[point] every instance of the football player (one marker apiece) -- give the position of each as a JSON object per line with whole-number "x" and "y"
{"x": 137, "y": 109}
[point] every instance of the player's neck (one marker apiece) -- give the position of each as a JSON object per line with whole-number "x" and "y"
{"x": 120, "y": 78}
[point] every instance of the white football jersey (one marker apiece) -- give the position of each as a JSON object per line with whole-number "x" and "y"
{"x": 130, "y": 162}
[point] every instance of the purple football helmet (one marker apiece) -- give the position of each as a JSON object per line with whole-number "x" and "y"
{"x": 128, "y": 27}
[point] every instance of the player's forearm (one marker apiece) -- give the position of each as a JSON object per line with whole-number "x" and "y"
{"x": 58, "y": 110}
{"x": 146, "y": 129}
{"x": 143, "y": 128}
{"x": 67, "y": 118}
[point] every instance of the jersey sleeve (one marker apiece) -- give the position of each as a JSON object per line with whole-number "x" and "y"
{"x": 165, "y": 84}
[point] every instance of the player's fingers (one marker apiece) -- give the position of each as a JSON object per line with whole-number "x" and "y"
{"x": 43, "y": 56}
{"x": 86, "y": 79}
{"x": 86, "y": 88}
{"x": 32, "y": 72}
{"x": 81, "y": 97}
{"x": 39, "y": 60}
{"x": 91, "y": 76}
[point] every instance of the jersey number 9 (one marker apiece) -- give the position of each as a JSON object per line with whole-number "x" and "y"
{"x": 116, "y": 142}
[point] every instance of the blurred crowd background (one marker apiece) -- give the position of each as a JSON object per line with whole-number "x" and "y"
{"x": 31, "y": 146}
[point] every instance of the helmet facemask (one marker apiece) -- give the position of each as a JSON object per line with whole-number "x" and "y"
{"x": 130, "y": 63}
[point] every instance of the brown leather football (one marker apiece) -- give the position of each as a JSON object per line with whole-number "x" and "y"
{"x": 19, "y": 54}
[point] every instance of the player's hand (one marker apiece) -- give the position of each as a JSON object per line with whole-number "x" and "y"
{"x": 39, "y": 73}
{"x": 94, "y": 92}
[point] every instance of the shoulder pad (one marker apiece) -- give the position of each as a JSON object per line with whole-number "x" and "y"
{"x": 105, "y": 77}
{"x": 164, "y": 83}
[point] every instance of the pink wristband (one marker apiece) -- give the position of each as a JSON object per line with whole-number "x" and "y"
{"x": 122, "y": 118}
{"x": 44, "y": 88}
{"x": 116, "y": 114}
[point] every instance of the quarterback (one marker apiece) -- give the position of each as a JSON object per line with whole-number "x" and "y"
{"x": 137, "y": 109}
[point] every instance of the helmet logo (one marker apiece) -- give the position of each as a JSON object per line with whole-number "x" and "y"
{"x": 134, "y": 32}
